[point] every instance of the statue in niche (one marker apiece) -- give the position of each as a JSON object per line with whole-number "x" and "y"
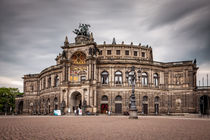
{"x": 64, "y": 55}
{"x": 93, "y": 51}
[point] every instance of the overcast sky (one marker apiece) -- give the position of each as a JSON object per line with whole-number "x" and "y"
{"x": 32, "y": 31}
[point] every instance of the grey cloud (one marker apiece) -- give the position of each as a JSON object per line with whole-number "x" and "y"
{"x": 172, "y": 11}
{"x": 31, "y": 29}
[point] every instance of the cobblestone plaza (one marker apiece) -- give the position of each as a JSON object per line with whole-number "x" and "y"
{"x": 103, "y": 128}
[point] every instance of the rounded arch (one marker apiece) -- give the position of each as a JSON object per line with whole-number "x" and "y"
{"x": 118, "y": 98}
{"x": 144, "y": 74}
{"x": 104, "y": 98}
{"x": 145, "y": 98}
{"x": 78, "y": 57}
{"x": 156, "y": 79}
{"x": 104, "y": 77}
{"x": 118, "y": 77}
{"x": 104, "y": 104}
{"x": 55, "y": 103}
{"x": 145, "y": 105}
{"x": 78, "y": 69}
{"x": 156, "y": 105}
{"x": 155, "y": 75}
{"x": 157, "y": 99}
{"x": 144, "y": 80}
{"x": 75, "y": 100}
{"x": 118, "y": 104}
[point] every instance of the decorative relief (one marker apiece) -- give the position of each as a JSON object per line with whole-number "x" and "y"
{"x": 78, "y": 58}
{"x": 79, "y": 67}
{"x": 178, "y": 78}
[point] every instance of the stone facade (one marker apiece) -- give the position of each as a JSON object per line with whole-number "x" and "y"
{"x": 94, "y": 76}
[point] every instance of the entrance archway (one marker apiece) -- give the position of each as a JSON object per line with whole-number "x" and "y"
{"x": 55, "y": 103}
{"x": 104, "y": 104}
{"x": 76, "y": 101}
{"x": 204, "y": 104}
{"x": 118, "y": 104}
{"x": 20, "y": 107}
{"x": 145, "y": 105}
{"x": 157, "y": 105}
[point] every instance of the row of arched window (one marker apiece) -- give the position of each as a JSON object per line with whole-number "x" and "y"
{"x": 119, "y": 98}
{"x": 119, "y": 80}
{"x": 49, "y": 82}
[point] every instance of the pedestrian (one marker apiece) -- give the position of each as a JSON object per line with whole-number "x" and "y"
{"x": 75, "y": 112}
{"x": 78, "y": 111}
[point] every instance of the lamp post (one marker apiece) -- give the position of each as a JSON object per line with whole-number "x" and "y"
{"x": 133, "y": 109}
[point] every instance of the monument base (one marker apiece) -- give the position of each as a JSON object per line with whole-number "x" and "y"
{"x": 133, "y": 114}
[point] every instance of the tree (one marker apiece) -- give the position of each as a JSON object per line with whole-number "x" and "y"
{"x": 7, "y": 99}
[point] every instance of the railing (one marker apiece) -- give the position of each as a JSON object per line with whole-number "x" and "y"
{"x": 203, "y": 87}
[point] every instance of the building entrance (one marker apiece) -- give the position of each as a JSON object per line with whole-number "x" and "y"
{"x": 156, "y": 108}
{"x": 104, "y": 108}
{"x": 204, "y": 104}
{"x": 118, "y": 108}
{"x": 145, "y": 108}
{"x": 76, "y": 101}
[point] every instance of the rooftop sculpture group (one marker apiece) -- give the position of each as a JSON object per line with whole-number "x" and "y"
{"x": 83, "y": 30}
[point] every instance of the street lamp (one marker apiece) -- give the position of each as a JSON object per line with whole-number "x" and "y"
{"x": 139, "y": 73}
{"x": 133, "y": 109}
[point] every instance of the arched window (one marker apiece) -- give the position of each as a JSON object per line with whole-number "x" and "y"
{"x": 118, "y": 77}
{"x": 157, "y": 99}
{"x": 155, "y": 78}
{"x": 78, "y": 58}
{"x": 44, "y": 83}
{"x": 118, "y": 98}
{"x": 104, "y": 98}
{"x": 145, "y": 98}
{"x": 144, "y": 79}
{"x": 104, "y": 77}
{"x": 49, "y": 82}
{"x": 56, "y": 80}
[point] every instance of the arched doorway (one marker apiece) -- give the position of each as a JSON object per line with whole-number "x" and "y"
{"x": 157, "y": 105}
{"x": 55, "y": 103}
{"x": 20, "y": 107}
{"x": 145, "y": 105}
{"x": 204, "y": 104}
{"x": 104, "y": 104}
{"x": 76, "y": 101}
{"x": 118, "y": 104}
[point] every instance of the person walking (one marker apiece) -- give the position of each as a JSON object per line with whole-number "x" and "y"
{"x": 75, "y": 112}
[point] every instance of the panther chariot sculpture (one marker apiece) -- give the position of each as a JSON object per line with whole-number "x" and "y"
{"x": 83, "y": 30}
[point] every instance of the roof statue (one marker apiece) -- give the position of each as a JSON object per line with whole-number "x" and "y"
{"x": 83, "y": 30}
{"x": 114, "y": 41}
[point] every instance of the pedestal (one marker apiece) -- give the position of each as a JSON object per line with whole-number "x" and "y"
{"x": 133, "y": 114}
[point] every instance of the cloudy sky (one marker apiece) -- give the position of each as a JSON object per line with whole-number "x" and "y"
{"x": 32, "y": 31}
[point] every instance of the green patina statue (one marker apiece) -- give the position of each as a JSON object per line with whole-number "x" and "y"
{"x": 83, "y": 30}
